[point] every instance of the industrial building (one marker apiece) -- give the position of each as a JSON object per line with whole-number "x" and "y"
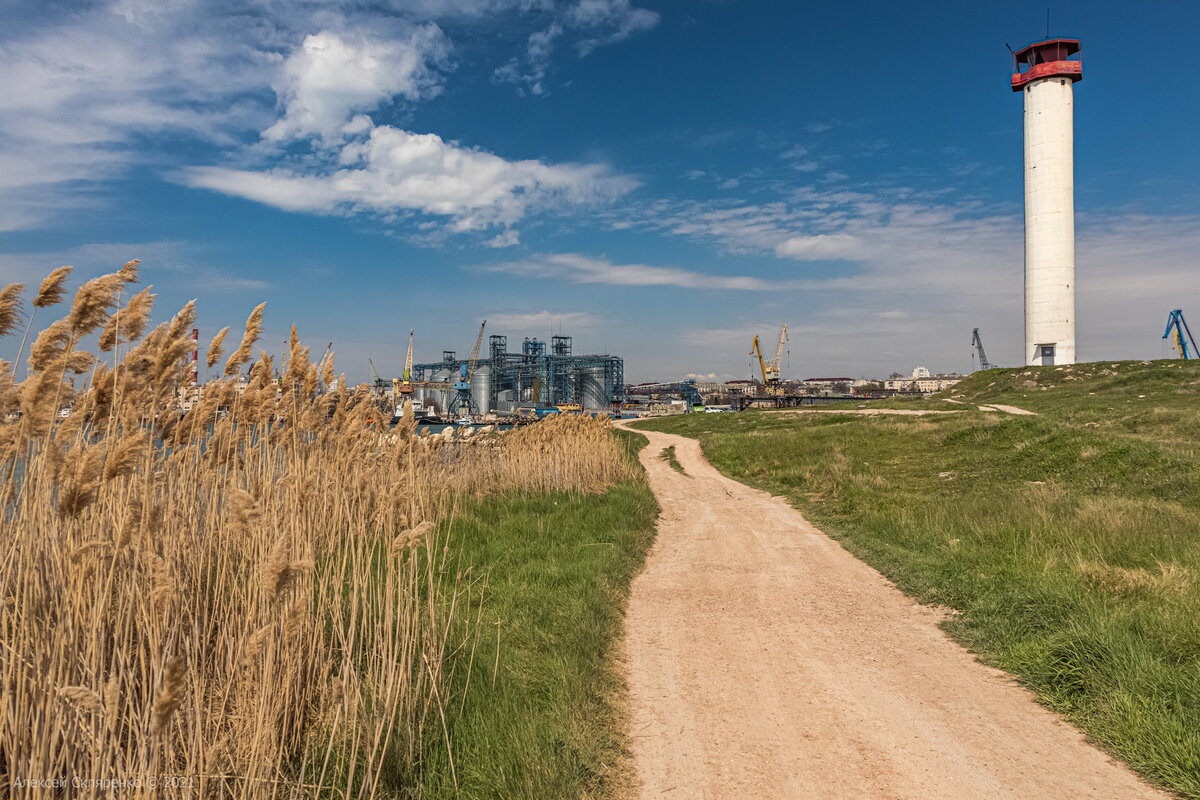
{"x": 541, "y": 374}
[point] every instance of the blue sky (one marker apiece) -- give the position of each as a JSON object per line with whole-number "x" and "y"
{"x": 661, "y": 180}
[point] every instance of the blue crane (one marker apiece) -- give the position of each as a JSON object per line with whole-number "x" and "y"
{"x": 1184, "y": 341}
{"x": 977, "y": 343}
{"x": 462, "y": 402}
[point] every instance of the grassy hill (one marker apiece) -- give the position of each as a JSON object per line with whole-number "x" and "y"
{"x": 1068, "y": 542}
{"x": 1159, "y": 399}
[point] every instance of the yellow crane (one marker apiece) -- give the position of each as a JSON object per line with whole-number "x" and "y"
{"x": 755, "y": 350}
{"x": 770, "y": 370}
{"x": 405, "y": 385}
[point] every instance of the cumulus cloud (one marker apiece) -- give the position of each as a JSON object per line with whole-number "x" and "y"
{"x": 331, "y": 75}
{"x": 86, "y": 95}
{"x": 397, "y": 171}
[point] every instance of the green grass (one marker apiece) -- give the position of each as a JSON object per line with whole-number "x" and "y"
{"x": 668, "y": 455}
{"x": 542, "y": 716}
{"x": 1069, "y": 541}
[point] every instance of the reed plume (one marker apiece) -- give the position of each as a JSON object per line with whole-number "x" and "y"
{"x": 8, "y": 391}
{"x": 327, "y": 372}
{"x": 129, "y": 271}
{"x": 49, "y": 345}
{"x": 124, "y": 456}
{"x": 53, "y": 288}
{"x": 253, "y": 330}
{"x": 82, "y": 483}
{"x": 93, "y": 302}
{"x": 168, "y": 696}
{"x": 216, "y": 347}
{"x": 129, "y": 323}
{"x": 213, "y": 595}
{"x": 10, "y": 307}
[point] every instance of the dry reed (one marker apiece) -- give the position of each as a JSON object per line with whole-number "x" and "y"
{"x": 246, "y": 597}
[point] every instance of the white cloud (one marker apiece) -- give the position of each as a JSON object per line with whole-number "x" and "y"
{"x": 582, "y": 269}
{"x": 591, "y": 23}
{"x": 76, "y": 94}
{"x": 821, "y": 246}
{"x": 618, "y": 16}
{"x": 925, "y": 272}
{"x": 332, "y": 75}
{"x": 508, "y": 238}
{"x": 539, "y": 322}
{"x": 396, "y": 171}
{"x": 86, "y": 95}
{"x": 797, "y": 158}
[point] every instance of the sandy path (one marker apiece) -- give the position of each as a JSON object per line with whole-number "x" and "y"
{"x": 1013, "y": 410}
{"x": 868, "y": 412}
{"x": 906, "y": 412}
{"x": 766, "y": 662}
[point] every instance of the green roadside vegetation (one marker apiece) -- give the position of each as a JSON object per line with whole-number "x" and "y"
{"x": 535, "y": 708}
{"x": 1068, "y": 542}
{"x": 668, "y": 455}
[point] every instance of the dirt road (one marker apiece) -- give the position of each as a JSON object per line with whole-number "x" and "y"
{"x": 766, "y": 662}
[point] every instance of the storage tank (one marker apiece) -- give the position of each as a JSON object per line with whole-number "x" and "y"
{"x": 589, "y": 388}
{"x": 481, "y": 389}
{"x": 440, "y": 398}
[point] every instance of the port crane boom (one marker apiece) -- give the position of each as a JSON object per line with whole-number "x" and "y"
{"x": 977, "y": 343}
{"x": 776, "y": 364}
{"x": 462, "y": 402}
{"x": 405, "y": 385}
{"x": 379, "y": 384}
{"x": 1184, "y": 341}
{"x": 770, "y": 369}
{"x": 756, "y": 350}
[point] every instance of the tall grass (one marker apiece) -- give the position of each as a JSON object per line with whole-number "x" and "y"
{"x": 237, "y": 604}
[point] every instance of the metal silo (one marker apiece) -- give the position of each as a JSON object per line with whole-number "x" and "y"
{"x": 440, "y": 398}
{"x": 589, "y": 388}
{"x": 481, "y": 389}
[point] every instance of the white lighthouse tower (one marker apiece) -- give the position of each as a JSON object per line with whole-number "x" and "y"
{"x": 1043, "y": 73}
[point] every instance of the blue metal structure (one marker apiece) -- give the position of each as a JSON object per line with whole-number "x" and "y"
{"x": 1184, "y": 342}
{"x": 685, "y": 390}
{"x": 462, "y": 402}
{"x": 543, "y": 374}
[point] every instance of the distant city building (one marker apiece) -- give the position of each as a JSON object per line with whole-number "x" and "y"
{"x": 922, "y": 381}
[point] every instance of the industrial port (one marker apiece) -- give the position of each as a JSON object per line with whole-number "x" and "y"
{"x": 496, "y": 383}
{"x": 503, "y": 386}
